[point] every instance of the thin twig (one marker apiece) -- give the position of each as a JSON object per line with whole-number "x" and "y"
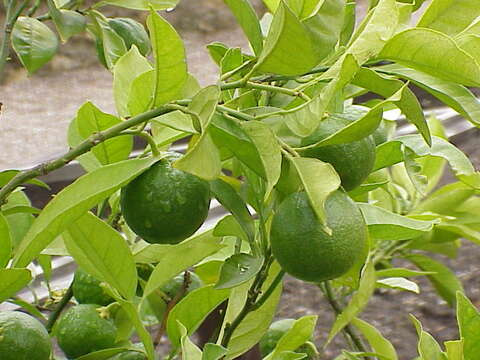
{"x": 58, "y": 310}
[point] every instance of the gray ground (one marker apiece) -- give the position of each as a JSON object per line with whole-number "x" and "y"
{"x": 37, "y": 111}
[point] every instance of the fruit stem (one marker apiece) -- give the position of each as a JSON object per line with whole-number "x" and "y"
{"x": 337, "y": 308}
{"x": 58, "y": 310}
{"x": 147, "y": 137}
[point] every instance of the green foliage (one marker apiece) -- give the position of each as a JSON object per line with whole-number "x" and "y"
{"x": 284, "y": 119}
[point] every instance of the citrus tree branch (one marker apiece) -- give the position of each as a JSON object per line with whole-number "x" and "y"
{"x": 58, "y": 310}
{"x": 82, "y": 148}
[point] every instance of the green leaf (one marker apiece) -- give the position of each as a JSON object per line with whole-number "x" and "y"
{"x": 73, "y": 201}
{"x": 446, "y": 199}
{"x": 202, "y": 158}
{"x": 358, "y": 301}
{"x": 428, "y": 348}
{"x": 18, "y": 223}
{"x": 401, "y": 272}
{"x": 454, "y": 349}
{"x": 106, "y": 354}
{"x": 268, "y": 149}
{"x": 388, "y": 87}
{"x": 348, "y": 23}
{"x": 377, "y": 341}
{"x": 399, "y": 283}
{"x": 91, "y": 120}
{"x": 300, "y": 332}
{"x": 444, "y": 280}
{"x": 456, "y": 96}
{"x": 309, "y": 170}
{"x": 468, "y": 319}
{"x": 67, "y": 22}
{"x": 449, "y": 16}
{"x": 287, "y": 36}
{"x": 5, "y": 242}
{"x": 141, "y": 93}
{"x": 170, "y": 63}
{"x": 385, "y": 225}
{"x": 238, "y": 269}
{"x": 190, "y": 351}
{"x": 34, "y": 43}
{"x": 391, "y": 153}
{"x": 13, "y": 280}
{"x": 177, "y": 120}
{"x": 256, "y": 323}
{"x": 102, "y": 252}
{"x": 434, "y": 53}
{"x": 193, "y": 309}
{"x": 88, "y": 160}
{"x": 213, "y": 352}
{"x": 324, "y": 24}
{"x": 231, "y": 200}
{"x": 126, "y": 70}
{"x": 7, "y": 175}
{"x": 173, "y": 259}
{"x": 304, "y": 119}
{"x": 248, "y": 20}
{"x": 140, "y": 4}
{"x": 471, "y": 45}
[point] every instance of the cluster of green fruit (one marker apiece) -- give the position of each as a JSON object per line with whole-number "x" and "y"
{"x": 166, "y": 205}
{"x": 82, "y": 329}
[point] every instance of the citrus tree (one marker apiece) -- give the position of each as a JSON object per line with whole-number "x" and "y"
{"x": 315, "y": 182}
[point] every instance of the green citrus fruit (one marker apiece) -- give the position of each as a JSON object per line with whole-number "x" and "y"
{"x": 353, "y": 161}
{"x": 81, "y": 331}
{"x": 87, "y": 289}
{"x": 22, "y": 337}
{"x": 132, "y": 33}
{"x": 304, "y": 249}
{"x": 173, "y": 286}
{"x": 131, "y": 355}
{"x": 273, "y": 335}
{"x": 165, "y": 205}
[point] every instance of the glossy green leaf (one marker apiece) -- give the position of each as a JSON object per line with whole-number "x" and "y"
{"x": 213, "y": 352}
{"x": 103, "y": 252}
{"x": 268, "y": 149}
{"x": 324, "y": 23}
{"x": 304, "y": 119}
{"x": 468, "y": 318}
{"x": 248, "y": 20}
{"x": 309, "y": 170}
{"x": 449, "y": 16}
{"x": 287, "y": 36}
{"x": 348, "y": 23}
{"x": 428, "y": 348}
{"x": 173, "y": 259}
{"x": 7, "y": 175}
{"x": 388, "y": 87}
{"x": 106, "y": 354}
{"x": 358, "y": 301}
{"x": 231, "y": 200}
{"x": 126, "y": 70}
{"x": 170, "y": 63}
{"x": 377, "y": 341}
{"x": 471, "y": 45}
{"x": 446, "y": 199}
{"x": 140, "y": 4}
{"x": 177, "y": 120}
{"x": 202, "y": 158}
{"x": 399, "y": 283}
{"x": 67, "y": 22}
{"x": 193, "y": 309}
{"x": 73, "y": 201}
{"x": 5, "y": 242}
{"x": 401, "y": 272}
{"x": 454, "y": 349}
{"x": 112, "y": 43}
{"x": 88, "y": 161}
{"x": 18, "y": 223}
{"x": 34, "y": 43}
{"x": 456, "y": 96}
{"x": 300, "y": 332}
{"x": 433, "y": 53}
{"x": 386, "y": 225}
{"x": 238, "y": 269}
{"x": 391, "y": 153}
{"x": 444, "y": 280}
{"x": 190, "y": 351}
{"x": 13, "y": 280}
{"x": 256, "y": 323}
{"x": 141, "y": 93}
{"x": 91, "y": 120}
